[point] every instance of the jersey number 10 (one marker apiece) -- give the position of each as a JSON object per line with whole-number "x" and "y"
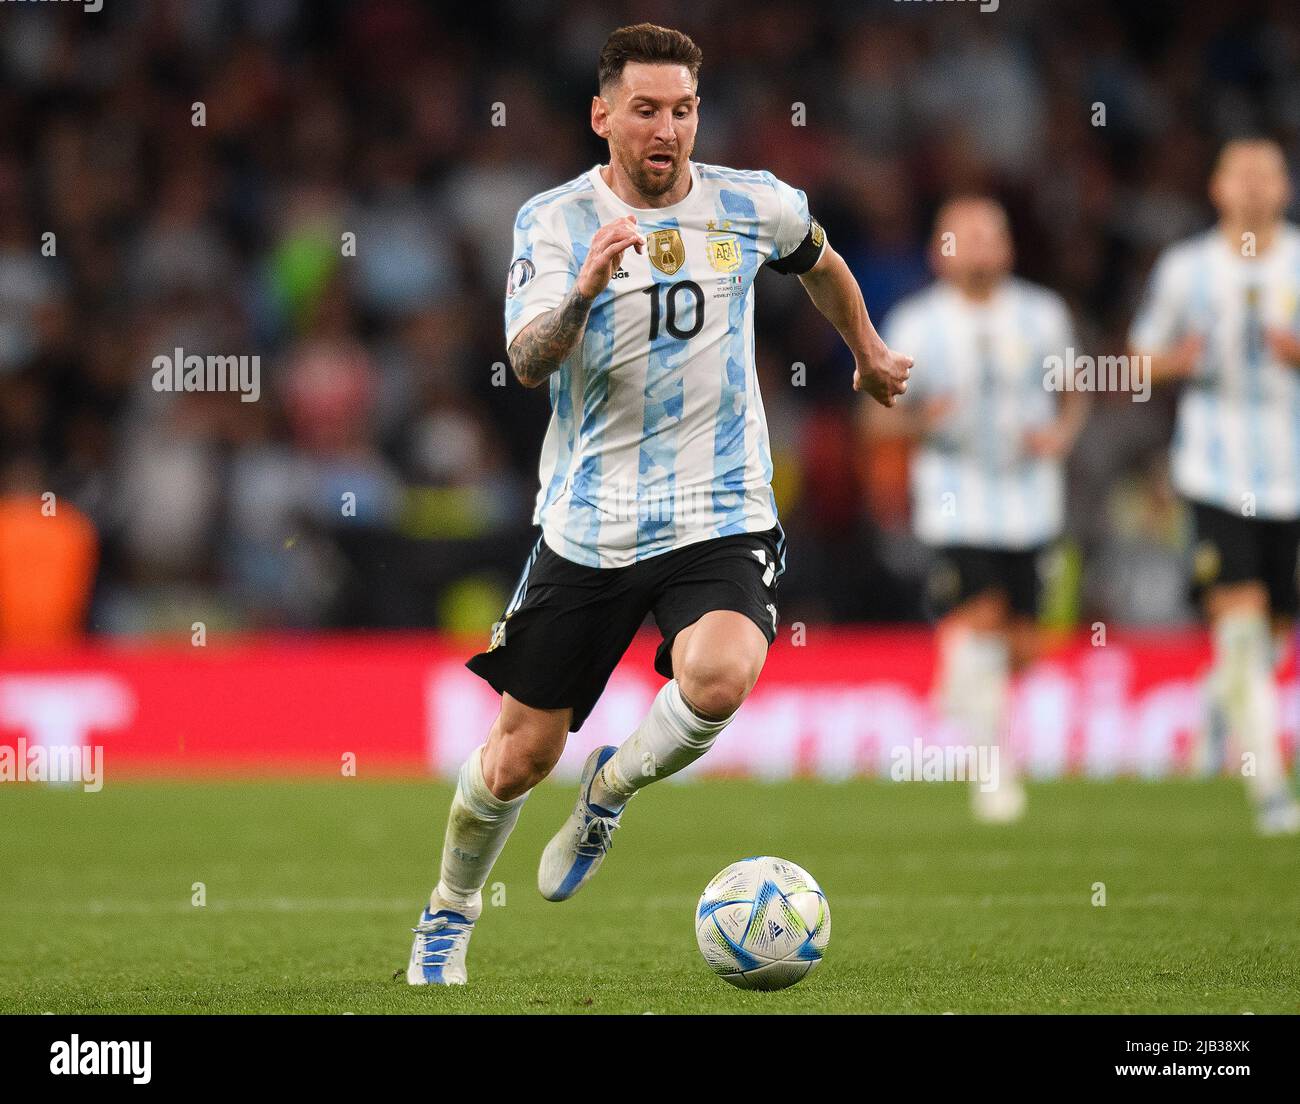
{"x": 670, "y": 321}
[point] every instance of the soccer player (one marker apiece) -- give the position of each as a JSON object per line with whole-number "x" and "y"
{"x": 1221, "y": 316}
{"x": 987, "y": 480}
{"x": 631, "y": 297}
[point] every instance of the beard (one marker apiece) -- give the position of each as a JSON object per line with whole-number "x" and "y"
{"x": 646, "y": 182}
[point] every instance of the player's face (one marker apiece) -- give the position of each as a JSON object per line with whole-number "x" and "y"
{"x": 979, "y": 248}
{"x": 650, "y": 118}
{"x": 1251, "y": 184}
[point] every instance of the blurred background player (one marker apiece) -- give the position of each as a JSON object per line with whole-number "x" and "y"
{"x": 1222, "y": 315}
{"x": 986, "y": 476}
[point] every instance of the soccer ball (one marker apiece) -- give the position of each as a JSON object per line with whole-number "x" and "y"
{"x": 763, "y": 923}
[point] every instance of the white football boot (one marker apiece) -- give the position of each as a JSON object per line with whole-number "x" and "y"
{"x": 578, "y": 848}
{"x": 441, "y": 943}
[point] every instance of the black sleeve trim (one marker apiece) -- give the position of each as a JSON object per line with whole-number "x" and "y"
{"x": 806, "y": 254}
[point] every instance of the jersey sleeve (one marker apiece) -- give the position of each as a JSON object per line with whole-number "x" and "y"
{"x": 1060, "y": 334}
{"x": 542, "y": 272}
{"x": 797, "y": 238}
{"x": 1159, "y": 319}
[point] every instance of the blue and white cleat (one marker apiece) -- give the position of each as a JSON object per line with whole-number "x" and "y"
{"x": 577, "y": 849}
{"x": 438, "y": 953}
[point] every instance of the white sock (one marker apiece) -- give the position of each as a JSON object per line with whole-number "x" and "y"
{"x": 477, "y": 828}
{"x": 1244, "y": 652}
{"x": 973, "y": 691}
{"x": 671, "y": 737}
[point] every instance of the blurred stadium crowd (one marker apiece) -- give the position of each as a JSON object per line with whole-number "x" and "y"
{"x": 380, "y": 370}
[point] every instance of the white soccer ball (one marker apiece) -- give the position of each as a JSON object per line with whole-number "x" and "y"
{"x": 763, "y": 923}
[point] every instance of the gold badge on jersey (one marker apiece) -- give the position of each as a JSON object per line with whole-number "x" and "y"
{"x": 666, "y": 251}
{"x": 723, "y": 251}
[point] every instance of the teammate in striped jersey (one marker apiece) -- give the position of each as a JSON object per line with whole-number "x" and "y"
{"x": 631, "y": 296}
{"x": 987, "y": 481}
{"x": 1222, "y": 315}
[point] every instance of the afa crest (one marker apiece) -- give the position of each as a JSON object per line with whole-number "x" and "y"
{"x": 666, "y": 251}
{"x": 723, "y": 251}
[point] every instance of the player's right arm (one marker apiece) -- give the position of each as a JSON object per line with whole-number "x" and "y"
{"x": 1160, "y": 330}
{"x": 549, "y": 339}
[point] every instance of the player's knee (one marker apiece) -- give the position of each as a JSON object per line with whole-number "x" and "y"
{"x": 525, "y": 747}
{"x": 518, "y": 769}
{"x": 715, "y": 687}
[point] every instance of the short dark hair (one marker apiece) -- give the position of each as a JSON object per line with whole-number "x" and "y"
{"x": 649, "y": 43}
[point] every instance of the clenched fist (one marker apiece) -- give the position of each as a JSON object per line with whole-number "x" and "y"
{"x": 883, "y": 376}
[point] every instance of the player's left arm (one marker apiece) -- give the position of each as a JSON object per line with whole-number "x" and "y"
{"x": 880, "y": 372}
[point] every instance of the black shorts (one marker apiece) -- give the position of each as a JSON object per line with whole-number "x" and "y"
{"x": 1230, "y": 548}
{"x": 961, "y": 572}
{"x": 567, "y": 625}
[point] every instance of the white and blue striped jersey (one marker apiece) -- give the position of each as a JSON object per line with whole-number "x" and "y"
{"x": 1237, "y": 432}
{"x": 657, "y": 436}
{"x": 973, "y": 480}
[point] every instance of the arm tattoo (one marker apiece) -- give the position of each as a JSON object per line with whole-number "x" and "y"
{"x": 549, "y": 339}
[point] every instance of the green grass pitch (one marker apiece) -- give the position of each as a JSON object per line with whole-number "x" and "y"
{"x": 312, "y": 887}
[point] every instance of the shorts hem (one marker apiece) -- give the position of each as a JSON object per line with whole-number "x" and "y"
{"x": 664, "y": 653}
{"x": 502, "y": 686}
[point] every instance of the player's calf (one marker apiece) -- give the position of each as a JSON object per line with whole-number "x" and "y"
{"x": 523, "y": 747}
